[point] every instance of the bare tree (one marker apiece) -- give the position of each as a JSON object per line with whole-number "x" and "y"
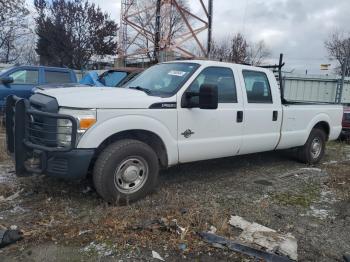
{"x": 238, "y": 50}
{"x": 13, "y": 29}
{"x": 220, "y": 50}
{"x": 257, "y": 53}
{"x": 338, "y": 47}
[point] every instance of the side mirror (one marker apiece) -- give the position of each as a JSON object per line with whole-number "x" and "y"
{"x": 208, "y": 97}
{"x": 6, "y": 80}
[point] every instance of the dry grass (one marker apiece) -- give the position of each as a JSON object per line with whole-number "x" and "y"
{"x": 340, "y": 179}
{"x": 198, "y": 196}
{"x": 4, "y": 157}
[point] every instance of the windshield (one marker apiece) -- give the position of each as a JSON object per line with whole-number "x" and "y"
{"x": 5, "y": 70}
{"x": 112, "y": 78}
{"x": 163, "y": 79}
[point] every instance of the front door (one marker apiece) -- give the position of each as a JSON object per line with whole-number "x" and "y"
{"x": 24, "y": 80}
{"x": 205, "y": 134}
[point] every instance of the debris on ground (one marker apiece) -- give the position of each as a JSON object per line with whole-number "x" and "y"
{"x": 162, "y": 224}
{"x": 83, "y": 232}
{"x": 237, "y": 247}
{"x": 87, "y": 190}
{"x": 8, "y": 237}
{"x": 12, "y": 197}
{"x": 155, "y": 255}
{"x": 183, "y": 247}
{"x": 212, "y": 230}
{"x": 301, "y": 171}
{"x": 285, "y": 244}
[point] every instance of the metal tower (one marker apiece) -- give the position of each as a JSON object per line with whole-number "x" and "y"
{"x": 123, "y": 30}
{"x": 146, "y": 29}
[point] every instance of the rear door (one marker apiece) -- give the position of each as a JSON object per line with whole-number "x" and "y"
{"x": 205, "y": 134}
{"x": 57, "y": 77}
{"x": 262, "y": 112}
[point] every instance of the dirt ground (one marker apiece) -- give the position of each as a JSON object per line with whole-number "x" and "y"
{"x": 67, "y": 221}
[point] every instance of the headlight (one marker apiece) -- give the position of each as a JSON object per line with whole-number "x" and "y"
{"x": 85, "y": 118}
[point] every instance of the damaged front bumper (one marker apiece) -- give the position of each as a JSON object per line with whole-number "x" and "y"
{"x": 31, "y": 137}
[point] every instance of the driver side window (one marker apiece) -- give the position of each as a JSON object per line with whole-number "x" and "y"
{"x": 222, "y": 77}
{"x": 26, "y": 77}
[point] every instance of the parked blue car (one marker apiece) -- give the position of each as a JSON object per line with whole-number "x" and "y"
{"x": 20, "y": 80}
{"x": 111, "y": 78}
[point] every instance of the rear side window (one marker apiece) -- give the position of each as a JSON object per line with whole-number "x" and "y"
{"x": 53, "y": 77}
{"x": 25, "y": 77}
{"x": 222, "y": 77}
{"x": 258, "y": 87}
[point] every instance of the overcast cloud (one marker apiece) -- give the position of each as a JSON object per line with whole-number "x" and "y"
{"x": 296, "y": 28}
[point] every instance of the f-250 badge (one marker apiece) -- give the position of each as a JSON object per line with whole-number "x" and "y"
{"x": 187, "y": 133}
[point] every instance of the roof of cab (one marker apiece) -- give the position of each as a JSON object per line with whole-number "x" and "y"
{"x": 45, "y": 67}
{"x": 218, "y": 63}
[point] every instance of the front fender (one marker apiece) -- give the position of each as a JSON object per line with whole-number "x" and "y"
{"x": 95, "y": 136}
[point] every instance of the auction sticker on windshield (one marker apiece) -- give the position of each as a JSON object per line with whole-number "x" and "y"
{"x": 177, "y": 73}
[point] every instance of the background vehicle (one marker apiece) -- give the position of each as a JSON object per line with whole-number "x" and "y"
{"x": 345, "y": 134}
{"x": 111, "y": 78}
{"x": 172, "y": 113}
{"x": 20, "y": 80}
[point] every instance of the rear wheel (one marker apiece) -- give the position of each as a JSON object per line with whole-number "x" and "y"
{"x": 126, "y": 171}
{"x": 313, "y": 150}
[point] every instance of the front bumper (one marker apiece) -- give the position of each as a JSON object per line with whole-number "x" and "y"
{"x": 34, "y": 147}
{"x": 69, "y": 165}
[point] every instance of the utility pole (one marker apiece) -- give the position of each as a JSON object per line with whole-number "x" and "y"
{"x": 157, "y": 34}
{"x": 341, "y": 88}
{"x": 210, "y": 25}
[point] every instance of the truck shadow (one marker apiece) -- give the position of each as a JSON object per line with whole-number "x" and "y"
{"x": 230, "y": 166}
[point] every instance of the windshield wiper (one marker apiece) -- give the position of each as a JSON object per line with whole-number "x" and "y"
{"x": 147, "y": 91}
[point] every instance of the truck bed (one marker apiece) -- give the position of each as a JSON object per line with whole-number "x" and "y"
{"x": 300, "y": 118}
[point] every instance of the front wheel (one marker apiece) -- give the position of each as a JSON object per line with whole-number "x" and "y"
{"x": 126, "y": 171}
{"x": 313, "y": 150}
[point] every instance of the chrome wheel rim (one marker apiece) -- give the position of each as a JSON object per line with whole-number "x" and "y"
{"x": 131, "y": 175}
{"x": 316, "y": 148}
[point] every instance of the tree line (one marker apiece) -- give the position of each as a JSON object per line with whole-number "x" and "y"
{"x": 69, "y": 33}
{"x": 65, "y": 33}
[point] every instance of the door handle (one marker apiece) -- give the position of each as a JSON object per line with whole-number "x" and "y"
{"x": 239, "y": 116}
{"x": 274, "y": 115}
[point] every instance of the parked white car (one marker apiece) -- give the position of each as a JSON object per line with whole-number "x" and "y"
{"x": 172, "y": 113}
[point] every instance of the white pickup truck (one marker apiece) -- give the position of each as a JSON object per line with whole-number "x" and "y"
{"x": 172, "y": 113}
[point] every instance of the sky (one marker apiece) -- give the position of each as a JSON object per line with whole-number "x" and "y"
{"x": 297, "y": 28}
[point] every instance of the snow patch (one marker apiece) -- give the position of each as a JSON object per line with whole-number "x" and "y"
{"x": 101, "y": 249}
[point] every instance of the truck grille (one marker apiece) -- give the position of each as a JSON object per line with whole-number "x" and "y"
{"x": 42, "y": 130}
{"x": 40, "y": 116}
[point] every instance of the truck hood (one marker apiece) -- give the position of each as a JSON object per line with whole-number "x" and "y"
{"x": 87, "y": 97}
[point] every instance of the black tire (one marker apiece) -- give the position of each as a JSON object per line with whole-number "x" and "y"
{"x": 119, "y": 156}
{"x": 306, "y": 153}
